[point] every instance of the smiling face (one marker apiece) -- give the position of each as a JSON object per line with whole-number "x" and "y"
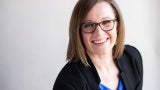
{"x": 100, "y": 42}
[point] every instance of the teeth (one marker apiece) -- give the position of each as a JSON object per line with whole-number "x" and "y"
{"x": 99, "y": 41}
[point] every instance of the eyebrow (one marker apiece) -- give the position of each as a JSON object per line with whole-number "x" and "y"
{"x": 104, "y": 18}
{"x": 107, "y": 18}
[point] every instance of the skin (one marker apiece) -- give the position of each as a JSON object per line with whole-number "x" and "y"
{"x": 99, "y": 44}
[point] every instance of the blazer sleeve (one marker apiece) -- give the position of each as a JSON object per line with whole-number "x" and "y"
{"x": 134, "y": 53}
{"x": 62, "y": 85}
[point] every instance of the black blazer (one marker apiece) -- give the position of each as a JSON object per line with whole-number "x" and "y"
{"x": 76, "y": 76}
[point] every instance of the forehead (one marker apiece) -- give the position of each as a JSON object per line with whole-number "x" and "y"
{"x": 100, "y": 11}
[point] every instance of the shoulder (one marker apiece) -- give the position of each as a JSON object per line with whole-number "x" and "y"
{"x": 76, "y": 76}
{"x": 131, "y": 61}
{"x": 133, "y": 55}
{"x": 70, "y": 77}
{"x": 132, "y": 51}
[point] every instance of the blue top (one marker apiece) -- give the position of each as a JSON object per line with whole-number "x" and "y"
{"x": 120, "y": 86}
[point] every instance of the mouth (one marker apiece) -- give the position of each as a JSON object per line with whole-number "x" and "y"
{"x": 100, "y": 41}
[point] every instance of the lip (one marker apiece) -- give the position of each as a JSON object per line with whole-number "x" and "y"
{"x": 100, "y": 41}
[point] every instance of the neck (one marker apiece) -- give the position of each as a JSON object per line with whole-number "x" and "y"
{"x": 107, "y": 70}
{"x": 102, "y": 61}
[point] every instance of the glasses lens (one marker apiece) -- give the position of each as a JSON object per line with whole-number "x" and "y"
{"x": 88, "y": 27}
{"x": 107, "y": 25}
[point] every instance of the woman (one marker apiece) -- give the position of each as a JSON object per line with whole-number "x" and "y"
{"x": 97, "y": 57}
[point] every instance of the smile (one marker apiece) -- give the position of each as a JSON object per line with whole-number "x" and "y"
{"x": 100, "y": 41}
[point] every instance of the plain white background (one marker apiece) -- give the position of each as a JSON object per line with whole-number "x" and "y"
{"x": 34, "y": 39}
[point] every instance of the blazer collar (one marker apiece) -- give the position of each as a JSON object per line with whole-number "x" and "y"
{"x": 122, "y": 74}
{"x": 94, "y": 71}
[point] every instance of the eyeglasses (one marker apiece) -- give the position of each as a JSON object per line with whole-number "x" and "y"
{"x": 90, "y": 27}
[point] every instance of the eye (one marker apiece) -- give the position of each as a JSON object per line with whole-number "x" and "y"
{"x": 106, "y": 22}
{"x": 88, "y": 25}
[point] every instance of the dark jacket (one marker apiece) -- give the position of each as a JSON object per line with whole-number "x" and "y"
{"x": 76, "y": 76}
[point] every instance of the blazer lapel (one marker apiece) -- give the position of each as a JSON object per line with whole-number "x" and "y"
{"x": 123, "y": 75}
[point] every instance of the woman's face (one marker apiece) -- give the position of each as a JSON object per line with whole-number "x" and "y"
{"x": 100, "y": 42}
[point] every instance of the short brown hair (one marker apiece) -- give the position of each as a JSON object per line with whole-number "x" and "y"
{"x": 76, "y": 49}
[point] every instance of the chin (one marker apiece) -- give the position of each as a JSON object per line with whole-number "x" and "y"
{"x": 103, "y": 52}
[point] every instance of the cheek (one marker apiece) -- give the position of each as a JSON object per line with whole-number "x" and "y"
{"x": 86, "y": 39}
{"x": 114, "y": 34}
{"x": 114, "y": 31}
